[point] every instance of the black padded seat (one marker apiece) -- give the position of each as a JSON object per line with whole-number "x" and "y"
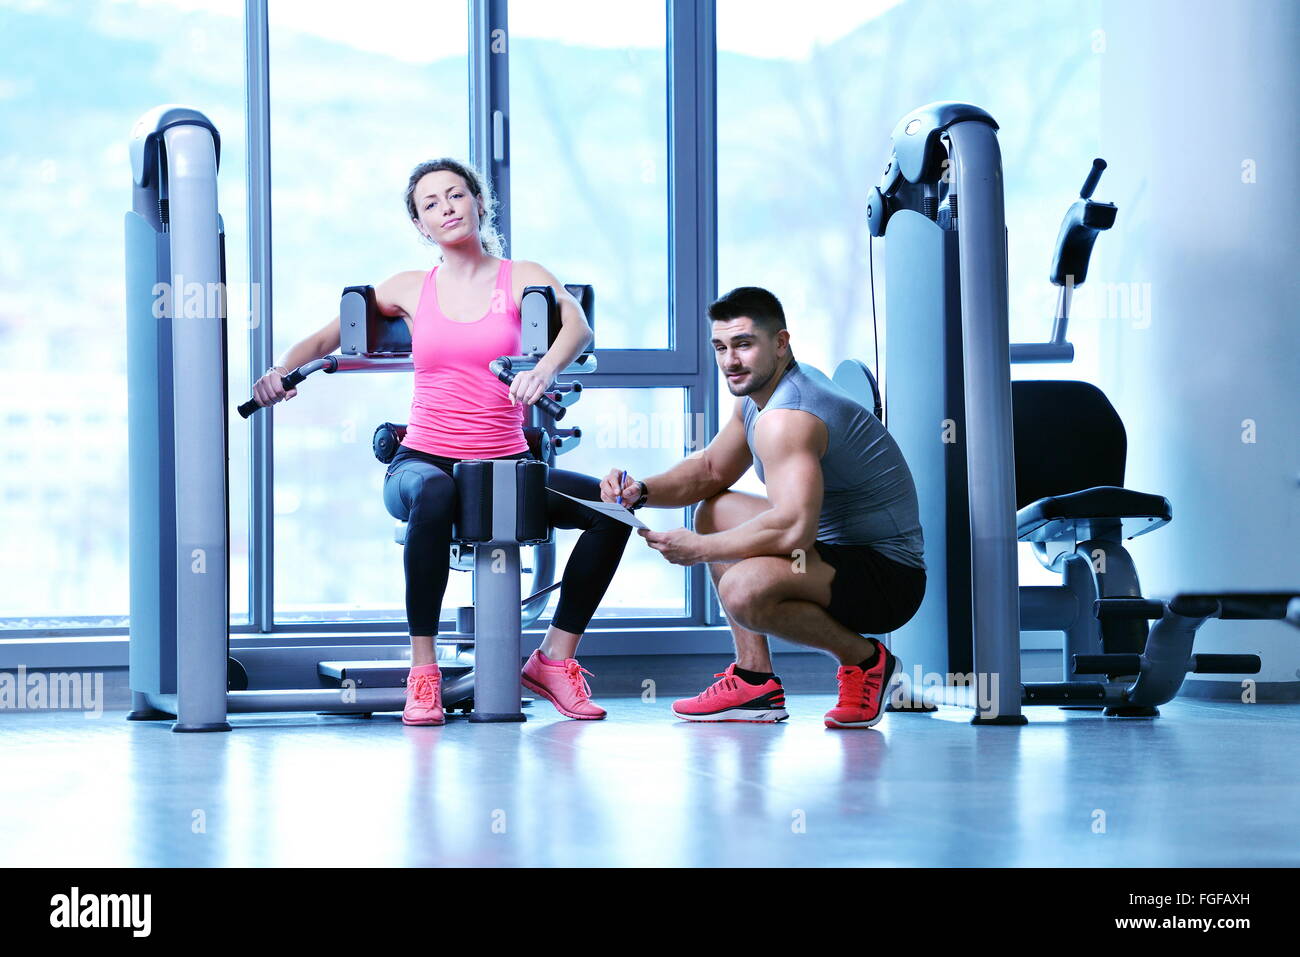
{"x": 1106, "y": 511}
{"x": 1070, "y": 450}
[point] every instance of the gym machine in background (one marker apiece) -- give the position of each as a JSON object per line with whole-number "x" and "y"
{"x": 998, "y": 462}
{"x": 180, "y": 660}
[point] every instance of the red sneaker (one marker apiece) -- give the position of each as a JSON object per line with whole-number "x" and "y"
{"x": 424, "y": 696}
{"x": 561, "y": 683}
{"x": 862, "y": 693}
{"x": 735, "y": 699}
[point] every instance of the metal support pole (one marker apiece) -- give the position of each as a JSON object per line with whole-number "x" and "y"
{"x": 199, "y": 397}
{"x": 261, "y": 479}
{"x": 990, "y": 458}
{"x": 489, "y": 95}
{"x": 693, "y": 209}
{"x": 497, "y": 695}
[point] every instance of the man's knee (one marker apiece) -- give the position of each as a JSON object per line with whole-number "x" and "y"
{"x": 706, "y": 516}
{"x": 727, "y": 509}
{"x": 742, "y": 597}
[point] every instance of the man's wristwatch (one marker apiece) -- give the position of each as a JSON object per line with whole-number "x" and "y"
{"x": 645, "y": 494}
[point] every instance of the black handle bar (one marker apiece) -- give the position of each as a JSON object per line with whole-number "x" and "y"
{"x": 1094, "y": 177}
{"x": 501, "y": 369}
{"x": 329, "y": 364}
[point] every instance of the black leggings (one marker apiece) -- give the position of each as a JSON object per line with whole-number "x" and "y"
{"x": 419, "y": 490}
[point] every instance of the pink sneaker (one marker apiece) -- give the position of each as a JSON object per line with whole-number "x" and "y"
{"x": 862, "y": 693}
{"x": 424, "y": 696}
{"x": 734, "y": 699}
{"x": 561, "y": 683}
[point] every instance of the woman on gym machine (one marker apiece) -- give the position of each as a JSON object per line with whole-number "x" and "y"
{"x": 463, "y": 313}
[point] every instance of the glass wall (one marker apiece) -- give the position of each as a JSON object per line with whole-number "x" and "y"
{"x": 643, "y": 431}
{"x": 359, "y": 97}
{"x": 805, "y": 113}
{"x": 65, "y": 184}
{"x": 803, "y": 132}
{"x": 589, "y": 156}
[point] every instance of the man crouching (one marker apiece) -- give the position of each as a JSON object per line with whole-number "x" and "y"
{"x": 834, "y": 550}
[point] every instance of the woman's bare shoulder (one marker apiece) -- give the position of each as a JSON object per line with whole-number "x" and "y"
{"x": 528, "y": 268}
{"x": 525, "y": 272}
{"x": 400, "y": 292}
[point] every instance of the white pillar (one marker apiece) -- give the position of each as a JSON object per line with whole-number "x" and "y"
{"x": 1199, "y": 125}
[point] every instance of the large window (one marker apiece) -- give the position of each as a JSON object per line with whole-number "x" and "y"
{"x": 643, "y": 431}
{"x": 589, "y": 156}
{"x": 359, "y": 96}
{"x": 66, "y": 121}
{"x": 804, "y": 117}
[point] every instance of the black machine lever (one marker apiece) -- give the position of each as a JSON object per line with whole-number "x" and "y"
{"x": 1203, "y": 664}
{"x": 329, "y": 364}
{"x": 1083, "y": 221}
{"x": 1094, "y": 177}
{"x": 501, "y": 369}
{"x": 1128, "y": 608}
{"x": 1114, "y": 665}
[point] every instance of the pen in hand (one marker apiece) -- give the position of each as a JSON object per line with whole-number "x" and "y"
{"x": 621, "y": 482}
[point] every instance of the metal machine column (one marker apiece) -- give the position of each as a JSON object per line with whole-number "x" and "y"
{"x": 176, "y": 346}
{"x": 497, "y": 695}
{"x": 948, "y": 393}
{"x": 990, "y": 455}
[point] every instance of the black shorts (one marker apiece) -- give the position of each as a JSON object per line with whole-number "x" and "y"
{"x": 870, "y": 593}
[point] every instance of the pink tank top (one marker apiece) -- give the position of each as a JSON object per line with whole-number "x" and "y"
{"x": 461, "y": 410}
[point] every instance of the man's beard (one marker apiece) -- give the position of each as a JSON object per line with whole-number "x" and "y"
{"x": 753, "y": 384}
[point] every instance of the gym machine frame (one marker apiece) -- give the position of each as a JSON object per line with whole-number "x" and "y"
{"x": 948, "y": 361}
{"x": 177, "y": 402}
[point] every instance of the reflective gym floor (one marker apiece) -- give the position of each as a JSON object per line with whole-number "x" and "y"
{"x": 1206, "y": 784}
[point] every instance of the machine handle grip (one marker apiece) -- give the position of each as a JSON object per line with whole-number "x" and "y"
{"x": 1128, "y": 608}
{"x": 1094, "y": 177}
{"x": 1084, "y": 220}
{"x": 1225, "y": 664}
{"x": 329, "y": 364}
{"x": 551, "y": 407}
{"x": 501, "y": 369}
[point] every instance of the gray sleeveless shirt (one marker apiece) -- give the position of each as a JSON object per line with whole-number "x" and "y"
{"x": 870, "y": 498}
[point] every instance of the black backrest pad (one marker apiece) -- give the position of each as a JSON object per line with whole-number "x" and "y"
{"x": 586, "y": 297}
{"x": 1068, "y": 437}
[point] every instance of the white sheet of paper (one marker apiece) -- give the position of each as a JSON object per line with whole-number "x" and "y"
{"x": 619, "y": 512}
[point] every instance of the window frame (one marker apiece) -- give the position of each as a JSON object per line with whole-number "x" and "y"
{"x": 692, "y": 284}
{"x": 692, "y": 265}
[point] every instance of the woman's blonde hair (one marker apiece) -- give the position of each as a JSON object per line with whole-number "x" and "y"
{"x": 479, "y": 188}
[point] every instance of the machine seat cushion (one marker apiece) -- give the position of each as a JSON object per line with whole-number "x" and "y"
{"x": 1091, "y": 513}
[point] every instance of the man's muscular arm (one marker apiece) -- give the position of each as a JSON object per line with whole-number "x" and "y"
{"x": 704, "y": 473}
{"x": 790, "y": 444}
